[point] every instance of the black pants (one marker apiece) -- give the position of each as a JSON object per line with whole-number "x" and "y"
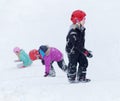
{"x": 61, "y": 64}
{"x": 75, "y": 60}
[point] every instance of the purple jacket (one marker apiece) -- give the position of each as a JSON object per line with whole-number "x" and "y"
{"x": 53, "y": 55}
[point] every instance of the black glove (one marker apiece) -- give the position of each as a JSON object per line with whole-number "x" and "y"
{"x": 46, "y": 74}
{"x": 88, "y": 54}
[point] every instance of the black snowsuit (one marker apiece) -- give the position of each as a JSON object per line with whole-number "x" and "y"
{"x": 75, "y": 51}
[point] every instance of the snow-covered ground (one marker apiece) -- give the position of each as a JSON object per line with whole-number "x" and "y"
{"x": 31, "y": 23}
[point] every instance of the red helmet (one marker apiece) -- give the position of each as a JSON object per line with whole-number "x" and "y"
{"x": 77, "y": 16}
{"x": 33, "y": 54}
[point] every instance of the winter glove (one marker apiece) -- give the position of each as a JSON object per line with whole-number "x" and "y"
{"x": 51, "y": 74}
{"x": 88, "y": 54}
{"x": 16, "y": 60}
{"x": 22, "y": 67}
{"x": 46, "y": 74}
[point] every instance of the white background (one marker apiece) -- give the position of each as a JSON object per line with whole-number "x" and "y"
{"x": 31, "y": 23}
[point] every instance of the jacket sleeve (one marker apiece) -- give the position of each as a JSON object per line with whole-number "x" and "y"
{"x": 71, "y": 40}
{"x": 47, "y": 64}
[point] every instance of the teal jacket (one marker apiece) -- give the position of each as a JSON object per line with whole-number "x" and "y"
{"x": 24, "y": 57}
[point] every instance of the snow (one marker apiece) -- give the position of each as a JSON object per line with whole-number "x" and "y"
{"x": 31, "y": 23}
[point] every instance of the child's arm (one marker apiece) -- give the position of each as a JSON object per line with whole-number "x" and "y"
{"x": 18, "y": 55}
{"x": 47, "y": 66}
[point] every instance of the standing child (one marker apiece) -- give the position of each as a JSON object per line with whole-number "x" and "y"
{"x": 22, "y": 57}
{"x": 75, "y": 48}
{"x": 48, "y": 56}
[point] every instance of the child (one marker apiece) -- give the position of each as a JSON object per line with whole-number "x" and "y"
{"x": 22, "y": 57}
{"x": 75, "y": 48}
{"x": 49, "y": 55}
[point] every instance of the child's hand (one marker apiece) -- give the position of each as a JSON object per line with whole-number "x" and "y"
{"x": 88, "y": 54}
{"x": 46, "y": 74}
{"x": 22, "y": 67}
{"x": 16, "y": 60}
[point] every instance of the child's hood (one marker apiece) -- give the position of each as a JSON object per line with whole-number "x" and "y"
{"x": 76, "y": 26}
{"x": 45, "y": 49}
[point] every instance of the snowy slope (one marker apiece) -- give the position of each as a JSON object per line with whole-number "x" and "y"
{"x": 30, "y": 23}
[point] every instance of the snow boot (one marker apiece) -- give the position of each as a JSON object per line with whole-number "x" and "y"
{"x": 82, "y": 78}
{"x": 52, "y": 72}
{"x": 71, "y": 77}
